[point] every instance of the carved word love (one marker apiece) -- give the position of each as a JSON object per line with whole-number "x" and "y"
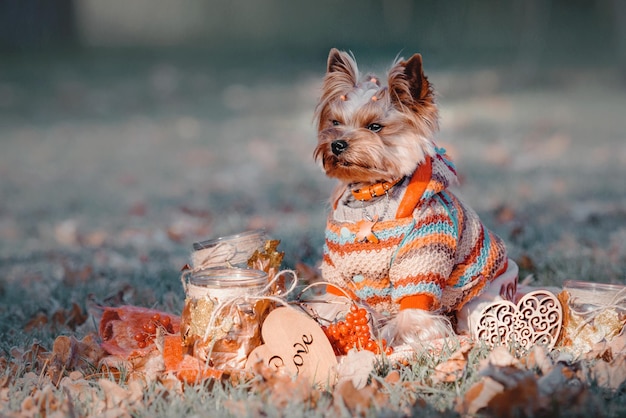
{"x": 296, "y": 344}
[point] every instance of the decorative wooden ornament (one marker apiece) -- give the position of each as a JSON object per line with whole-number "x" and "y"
{"x": 535, "y": 319}
{"x": 365, "y": 231}
{"x": 295, "y": 343}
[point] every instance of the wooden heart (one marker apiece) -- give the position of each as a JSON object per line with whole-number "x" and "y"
{"x": 535, "y": 319}
{"x": 295, "y": 343}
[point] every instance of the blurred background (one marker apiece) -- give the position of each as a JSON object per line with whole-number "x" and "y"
{"x": 130, "y": 129}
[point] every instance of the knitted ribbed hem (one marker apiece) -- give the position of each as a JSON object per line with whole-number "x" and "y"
{"x": 422, "y": 301}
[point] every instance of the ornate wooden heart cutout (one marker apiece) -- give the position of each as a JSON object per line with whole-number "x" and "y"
{"x": 296, "y": 344}
{"x": 535, "y": 319}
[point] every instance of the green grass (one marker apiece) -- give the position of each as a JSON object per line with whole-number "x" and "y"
{"x": 104, "y": 191}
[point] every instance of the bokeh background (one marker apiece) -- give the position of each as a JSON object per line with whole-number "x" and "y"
{"x": 130, "y": 129}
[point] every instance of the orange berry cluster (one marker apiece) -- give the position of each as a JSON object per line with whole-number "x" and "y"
{"x": 354, "y": 332}
{"x": 149, "y": 329}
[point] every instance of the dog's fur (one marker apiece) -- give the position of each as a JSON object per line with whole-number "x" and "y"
{"x": 406, "y": 109}
{"x": 370, "y": 132}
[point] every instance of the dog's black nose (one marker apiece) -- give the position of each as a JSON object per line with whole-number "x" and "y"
{"x": 338, "y": 146}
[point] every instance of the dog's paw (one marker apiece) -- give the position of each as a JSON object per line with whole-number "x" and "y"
{"x": 416, "y": 326}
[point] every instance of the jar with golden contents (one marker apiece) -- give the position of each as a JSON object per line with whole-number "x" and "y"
{"x": 594, "y": 312}
{"x": 221, "y": 319}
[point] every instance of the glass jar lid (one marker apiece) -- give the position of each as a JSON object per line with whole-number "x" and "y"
{"x": 229, "y": 278}
{"x": 248, "y": 236}
{"x": 595, "y": 293}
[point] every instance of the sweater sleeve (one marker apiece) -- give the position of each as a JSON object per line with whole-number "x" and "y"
{"x": 424, "y": 260}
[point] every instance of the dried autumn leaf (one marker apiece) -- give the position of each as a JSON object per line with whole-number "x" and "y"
{"x": 120, "y": 326}
{"x": 608, "y": 350}
{"x": 610, "y": 375}
{"x": 499, "y": 357}
{"x": 618, "y": 344}
{"x": 356, "y": 366}
{"x": 557, "y": 379}
{"x": 116, "y": 396}
{"x": 45, "y": 402}
{"x": 537, "y": 358}
{"x": 185, "y": 367}
{"x": 269, "y": 258}
{"x": 70, "y": 318}
{"x": 70, "y": 354}
{"x": 36, "y": 322}
{"x": 523, "y": 399}
{"x": 358, "y": 401}
{"x": 452, "y": 369}
{"x": 478, "y": 396}
{"x": 32, "y": 359}
{"x": 280, "y": 388}
{"x": 74, "y": 276}
{"x": 449, "y": 371}
{"x": 393, "y": 377}
{"x": 147, "y": 367}
{"x": 5, "y": 372}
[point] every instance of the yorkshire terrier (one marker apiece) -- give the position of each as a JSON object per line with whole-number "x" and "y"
{"x": 397, "y": 240}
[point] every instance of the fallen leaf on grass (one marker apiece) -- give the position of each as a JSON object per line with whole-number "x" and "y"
{"x": 45, "y": 403}
{"x": 184, "y": 366}
{"x": 478, "y": 396}
{"x": 32, "y": 359}
{"x": 393, "y": 377}
{"x": 508, "y": 390}
{"x": 538, "y": 358}
{"x": 117, "y": 396}
{"x": 120, "y": 326}
{"x": 522, "y": 399}
{"x": 356, "y": 366}
{"x": 146, "y": 368}
{"x": 557, "y": 379}
{"x": 248, "y": 408}
{"x": 282, "y": 389}
{"x": 452, "y": 369}
{"x": 358, "y": 401}
{"x": 70, "y": 354}
{"x": 76, "y": 275}
{"x": 70, "y": 318}
{"x": 610, "y": 375}
{"x": 38, "y": 321}
{"x": 499, "y": 357}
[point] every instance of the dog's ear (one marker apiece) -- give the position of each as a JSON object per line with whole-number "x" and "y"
{"x": 340, "y": 61}
{"x": 342, "y": 66}
{"x": 341, "y": 77}
{"x": 408, "y": 84}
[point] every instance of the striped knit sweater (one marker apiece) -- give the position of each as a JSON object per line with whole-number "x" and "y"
{"x": 434, "y": 254}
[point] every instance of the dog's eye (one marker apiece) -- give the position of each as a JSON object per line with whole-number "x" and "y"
{"x": 374, "y": 127}
{"x": 336, "y": 122}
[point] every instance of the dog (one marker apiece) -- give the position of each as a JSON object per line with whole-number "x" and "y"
{"x": 397, "y": 239}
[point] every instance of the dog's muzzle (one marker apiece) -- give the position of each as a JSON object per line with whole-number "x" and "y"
{"x": 339, "y": 146}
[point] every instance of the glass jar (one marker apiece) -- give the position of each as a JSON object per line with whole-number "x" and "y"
{"x": 595, "y": 312}
{"x": 221, "y": 319}
{"x": 229, "y": 251}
